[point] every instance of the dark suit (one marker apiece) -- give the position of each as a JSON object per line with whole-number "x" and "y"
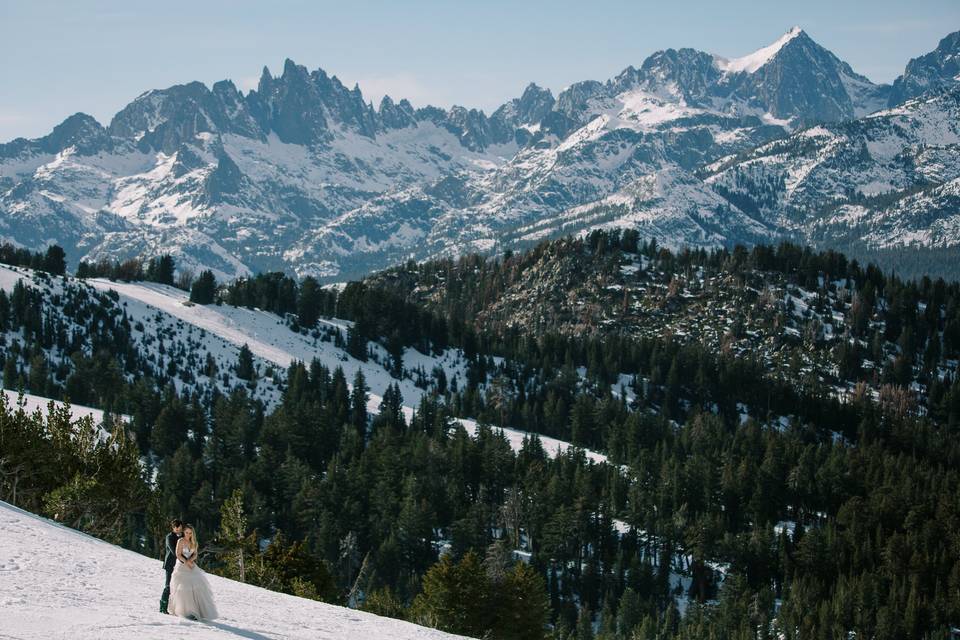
{"x": 169, "y": 562}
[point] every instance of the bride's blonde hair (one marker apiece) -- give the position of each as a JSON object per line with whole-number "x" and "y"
{"x": 196, "y": 543}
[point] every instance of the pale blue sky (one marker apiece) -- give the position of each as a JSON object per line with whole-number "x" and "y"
{"x": 97, "y": 55}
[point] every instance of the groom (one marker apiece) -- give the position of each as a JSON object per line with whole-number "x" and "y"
{"x": 170, "y": 559}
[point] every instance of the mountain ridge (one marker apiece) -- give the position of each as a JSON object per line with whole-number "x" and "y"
{"x": 302, "y": 174}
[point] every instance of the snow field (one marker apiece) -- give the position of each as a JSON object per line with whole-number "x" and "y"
{"x": 56, "y": 583}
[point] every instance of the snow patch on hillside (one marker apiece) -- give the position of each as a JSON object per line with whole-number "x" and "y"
{"x": 31, "y": 403}
{"x": 272, "y": 341}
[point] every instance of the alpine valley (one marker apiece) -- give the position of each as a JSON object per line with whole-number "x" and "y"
{"x": 303, "y": 175}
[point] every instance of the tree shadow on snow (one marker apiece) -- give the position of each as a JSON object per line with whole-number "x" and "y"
{"x": 243, "y": 633}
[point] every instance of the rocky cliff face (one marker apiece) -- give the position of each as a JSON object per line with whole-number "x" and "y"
{"x": 936, "y": 71}
{"x": 887, "y": 180}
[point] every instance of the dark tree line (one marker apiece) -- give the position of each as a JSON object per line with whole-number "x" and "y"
{"x": 161, "y": 270}
{"x": 52, "y": 261}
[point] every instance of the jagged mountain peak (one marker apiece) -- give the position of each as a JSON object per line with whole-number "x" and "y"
{"x": 79, "y": 126}
{"x": 291, "y": 67}
{"x": 685, "y": 74}
{"x": 266, "y": 78}
{"x": 534, "y": 104}
{"x": 300, "y": 105}
{"x": 533, "y": 89}
{"x": 934, "y": 71}
{"x": 752, "y": 62}
{"x": 163, "y": 119}
{"x": 223, "y": 87}
{"x": 798, "y": 80}
{"x": 395, "y": 115}
{"x": 81, "y": 131}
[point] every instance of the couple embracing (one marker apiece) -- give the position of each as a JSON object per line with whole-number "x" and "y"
{"x": 187, "y": 592}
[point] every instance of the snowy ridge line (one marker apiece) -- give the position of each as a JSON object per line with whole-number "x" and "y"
{"x": 57, "y": 583}
{"x": 271, "y": 341}
{"x": 752, "y": 62}
{"x": 268, "y": 338}
{"x": 150, "y": 329}
{"x": 515, "y": 437}
{"x": 195, "y": 171}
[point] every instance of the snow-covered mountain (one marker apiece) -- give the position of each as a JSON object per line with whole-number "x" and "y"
{"x": 935, "y": 71}
{"x": 58, "y": 583}
{"x": 302, "y": 174}
{"x": 887, "y": 180}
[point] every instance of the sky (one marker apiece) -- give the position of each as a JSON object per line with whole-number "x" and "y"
{"x": 95, "y": 56}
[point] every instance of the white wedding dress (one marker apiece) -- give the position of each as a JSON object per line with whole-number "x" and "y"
{"x": 190, "y": 594}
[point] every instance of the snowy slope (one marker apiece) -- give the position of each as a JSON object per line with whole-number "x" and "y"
{"x": 155, "y": 335}
{"x": 58, "y": 583}
{"x": 267, "y": 337}
{"x": 30, "y": 403}
{"x": 671, "y": 205}
{"x": 753, "y": 61}
{"x": 273, "y": 342}
{"x": 886, "y": 180}
{"x": 166, "y": 317}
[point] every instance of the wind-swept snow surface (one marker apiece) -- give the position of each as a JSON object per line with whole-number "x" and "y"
{"x": 58, "y": 583}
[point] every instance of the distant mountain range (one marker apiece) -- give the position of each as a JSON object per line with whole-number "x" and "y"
{"x": 303, "y": 175}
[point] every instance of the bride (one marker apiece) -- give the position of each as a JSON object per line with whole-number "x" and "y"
{"x": 190, "y": 595}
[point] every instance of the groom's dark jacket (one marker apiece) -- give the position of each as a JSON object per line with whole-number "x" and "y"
{"x": 170, "y": 559}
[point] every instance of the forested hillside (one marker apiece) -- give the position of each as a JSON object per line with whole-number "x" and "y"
{"x": 781, "y": 431}
{"x": 815, "y": 320}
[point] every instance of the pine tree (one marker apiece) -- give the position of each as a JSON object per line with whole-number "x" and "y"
{"x": 245, "y": 369}
{"x": 12, "y": 379}
{"x": 584, "y": 625}
{"x": 161, "y": 270}
{"x": 455, "y": 597}
{"x": 204, "y": 288}
{"x": 357, "y": 343}
{"x": 522, "y": 607}
{"x": 170, "y": 430}
{"x": 55, "y": 260}
{"x": 37, "y": 381}
{"x": 308, "y": 306}
{"x": 358, "y": 404}
{"x": 384, "y": 602}
{"x": 233, "y": 537}
{"x": 628, "y": 613}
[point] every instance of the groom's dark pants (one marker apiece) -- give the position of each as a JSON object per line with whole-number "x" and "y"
{"x": 165, "y": 598}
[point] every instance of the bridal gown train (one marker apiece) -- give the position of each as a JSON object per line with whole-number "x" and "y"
{"x": 190, "y": 594}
